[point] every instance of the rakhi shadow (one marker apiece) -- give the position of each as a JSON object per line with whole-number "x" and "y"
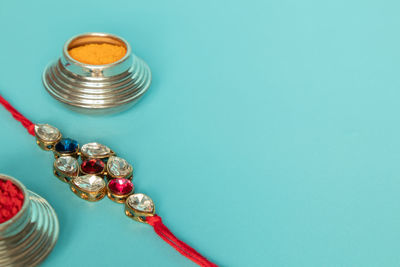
{"x": 94, "y": 171}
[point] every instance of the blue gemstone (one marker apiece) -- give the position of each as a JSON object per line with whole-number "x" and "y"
{"x": 66, "y": 145}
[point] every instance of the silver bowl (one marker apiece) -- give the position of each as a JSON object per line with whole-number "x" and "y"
{"x": 28, "y": 237}
{"x": 97, "y": 88}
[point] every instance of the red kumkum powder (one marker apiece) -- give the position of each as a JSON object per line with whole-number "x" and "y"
{"x": 11, "y": 200}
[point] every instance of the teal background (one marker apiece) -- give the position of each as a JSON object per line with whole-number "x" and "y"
{"x": 269, "y": 136}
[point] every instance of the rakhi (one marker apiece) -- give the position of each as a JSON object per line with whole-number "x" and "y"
{"x": 100, "y": 173}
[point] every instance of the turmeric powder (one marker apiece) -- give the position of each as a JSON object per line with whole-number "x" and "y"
{"x": 98, "y": 54}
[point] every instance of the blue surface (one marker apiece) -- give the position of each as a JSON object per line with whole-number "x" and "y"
{"x": 269, "y": 136}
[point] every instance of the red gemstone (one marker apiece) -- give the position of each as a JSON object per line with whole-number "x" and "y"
{"x": 92, "y": 166}
{"x": 120, "y": 186}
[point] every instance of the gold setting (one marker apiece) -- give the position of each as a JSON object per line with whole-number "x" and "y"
{"x": 88, "y": 195}
{"x": 47, "y": 145}
{"x": 138, "y": 215}
{"x": 65, "y": 177}
{"x": 74, "y": 154}
{"x": 118, "y": 198}
{"x": 100, "y": 174}
{"x": 104, "y": 157}
{"x": 110, "y": 176}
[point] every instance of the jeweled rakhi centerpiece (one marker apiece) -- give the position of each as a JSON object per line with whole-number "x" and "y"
{"x": 94, "y": 171}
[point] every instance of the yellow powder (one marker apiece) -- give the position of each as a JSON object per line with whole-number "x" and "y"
{"x": 97, "y": 54}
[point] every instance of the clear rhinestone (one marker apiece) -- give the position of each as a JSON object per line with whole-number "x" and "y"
{"x": 91, "y": 183}
{"x": 67, "y": 164}
{"x": 118, "y": 167}
{"x": 47, "y": 132}
{"x": 95, "y": 150}
{"x": 141, "y": 202}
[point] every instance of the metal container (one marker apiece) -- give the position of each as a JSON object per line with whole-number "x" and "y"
{"x": 28, "y": 237}
{"x": 97, "y": 88}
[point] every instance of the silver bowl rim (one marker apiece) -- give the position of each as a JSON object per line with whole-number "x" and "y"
{"x": 100, "y": 34}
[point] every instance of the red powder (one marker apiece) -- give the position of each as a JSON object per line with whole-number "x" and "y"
{"x": 11, "y": 200}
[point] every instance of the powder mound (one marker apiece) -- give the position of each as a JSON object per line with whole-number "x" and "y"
{"x": 97, "y": 54}
{"x": 11, "y": 200}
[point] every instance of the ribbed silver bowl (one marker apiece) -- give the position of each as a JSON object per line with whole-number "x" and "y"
{"x": 28, "y": 237}
{"x": 97, "y": 88}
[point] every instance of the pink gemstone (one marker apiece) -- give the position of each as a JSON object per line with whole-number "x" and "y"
{"x": 120, "y": 186}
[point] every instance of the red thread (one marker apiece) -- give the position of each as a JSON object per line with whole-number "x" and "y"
{"x": 179, "y": 245}
{"x": 11, "y": 200}
{"x": 18, "y": 116}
